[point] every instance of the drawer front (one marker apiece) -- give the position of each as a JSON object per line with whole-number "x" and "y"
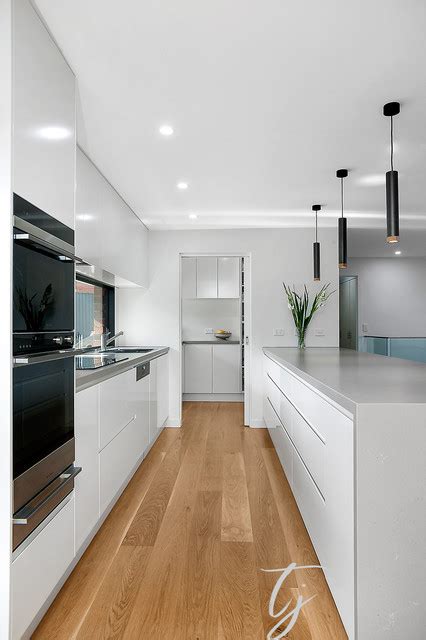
{"x": 310, "y": 448}
{"x": 274, "y": 394}
{"x": 284, "y": 449}
{"x": 273, "y": 370}
{"x": 38, "y": 569}
{"x": 116, "y": 408}
{"x": 286, "y": 412}
{"x": 117, "y": 461}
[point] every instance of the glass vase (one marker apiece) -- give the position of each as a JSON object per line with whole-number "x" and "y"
{"x": 301, "y": 338}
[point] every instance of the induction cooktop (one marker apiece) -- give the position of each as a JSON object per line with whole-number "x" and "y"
{"x": 97, "y": 361}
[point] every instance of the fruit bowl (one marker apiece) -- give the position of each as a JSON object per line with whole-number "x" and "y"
{"x": 222, "y": 334}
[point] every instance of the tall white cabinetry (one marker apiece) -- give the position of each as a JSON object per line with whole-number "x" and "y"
{"x": 211, "y": 277}
{"x": 43, "y": 118}
{"x": 108, "y": 233}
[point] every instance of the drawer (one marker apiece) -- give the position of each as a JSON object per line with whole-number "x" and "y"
{"x": 311, "y": 506}
{"x": 274, "y": 394}
{"x": 116, "y": 408}
{"x": 117, "y": 461}
{"x": 38, "y": 569}
{"x": 273, "y": 370}
{"x": 284, "y": 449}
{"x": 286, "y": 412}
{"x": 316, "y": 410}
{"x": 310, "y": 448}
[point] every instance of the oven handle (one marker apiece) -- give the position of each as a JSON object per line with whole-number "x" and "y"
{"x": 24, "y": 515}
{"x": 29, "y": 238}
{"x": 47, "y": 357}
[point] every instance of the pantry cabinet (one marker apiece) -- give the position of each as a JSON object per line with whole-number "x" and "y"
{"x": 212, "y": 369}
{"x": 211, "y": 277}
{"x": 43, "y": 118}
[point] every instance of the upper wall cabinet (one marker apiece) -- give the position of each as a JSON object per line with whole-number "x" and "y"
{"x": 43, "y": 118}
{"x": 211, "y": 277}
{"x": 108, "y": 233}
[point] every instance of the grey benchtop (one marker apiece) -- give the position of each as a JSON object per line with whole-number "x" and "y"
{"x": 218, "y": 341}
{"x": 350, "y": 378}
{"x": 90, "y": 377}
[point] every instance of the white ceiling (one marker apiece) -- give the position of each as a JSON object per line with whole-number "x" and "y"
{"x": 267, "y": 100}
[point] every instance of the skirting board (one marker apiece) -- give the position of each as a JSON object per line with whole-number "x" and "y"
{"x": 213, "y": 397}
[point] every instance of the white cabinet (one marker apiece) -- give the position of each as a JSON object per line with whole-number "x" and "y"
{"x": 226, "y": 368}
{"x": 43, "y": 118}
{"x": 207, "y": 277}
{"x": 198, "y": 366}
{"x": 162, "y": 390}
{"x": 140, "y": 401}
{"x": 189, "y": 277}
{"x": 153, "y": 402}
{"x": 212, "y": 368}
{"x": 211, "y": 277}
{"x": 86, "y": 457}
{"x": 116, "y": 408}
{"x": 108, "y": 233}
{"x": 117, "y": 461}
{"x": 41, "y": 565}
{"x": 228, "y": 277}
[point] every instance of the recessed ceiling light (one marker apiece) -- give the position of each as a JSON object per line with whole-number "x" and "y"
{"x": 54, "y": 133}
{"x": 84, "y": 216}
{"x": 397, "y": 253}
{"x": 193, "y": 216}
{"x": 166, "y": 130}
{"x": 373, "y": 180}
{"x": 182, "y": 185}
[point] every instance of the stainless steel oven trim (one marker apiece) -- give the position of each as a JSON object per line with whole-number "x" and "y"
{"x": 47, "y": 356}
{"x": 29, "y": 511}
{"x": 62, "y": 253}
{"x": 42, "y": 236}
{"x": 37, "y": 477}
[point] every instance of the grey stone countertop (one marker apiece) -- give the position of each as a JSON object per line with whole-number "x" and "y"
{"x": 217, "y": 341}
{"x": 351, "y": 378}
{"x": 89, "y": 377}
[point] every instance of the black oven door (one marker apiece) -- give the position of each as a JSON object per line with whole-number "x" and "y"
{"x": 43, "y": 425}
{"x": 43, "y": 287}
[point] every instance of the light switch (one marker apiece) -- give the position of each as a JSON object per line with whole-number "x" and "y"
{"x": 364, "y": 327}
{"x": 278, "y": 332}
{"x": 208, "y": 331}
{"x": 320, "y": 332}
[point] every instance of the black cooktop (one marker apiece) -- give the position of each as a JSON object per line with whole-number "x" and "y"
{"x": 97, "y": 361}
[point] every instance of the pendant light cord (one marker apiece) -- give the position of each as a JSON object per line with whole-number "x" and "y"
{"x": 341, "y": 193}
{"x": 316, "y": 226}
{"x": 391, "y": 137}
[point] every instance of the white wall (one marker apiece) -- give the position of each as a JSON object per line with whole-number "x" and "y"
{"x": 277, "y": 255}
{"x": 198, "y": 315}
{"x": 6, "y": 315}
{"x": 391, "y": 295}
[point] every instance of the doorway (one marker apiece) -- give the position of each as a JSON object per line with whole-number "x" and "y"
{"x": 348, "y": 312}
{"x": 215, "y": 297}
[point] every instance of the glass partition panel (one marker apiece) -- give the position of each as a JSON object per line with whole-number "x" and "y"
{"x": 408, "y": 348}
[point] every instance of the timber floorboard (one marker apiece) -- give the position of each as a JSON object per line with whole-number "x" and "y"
{"x": 181, "y": 554}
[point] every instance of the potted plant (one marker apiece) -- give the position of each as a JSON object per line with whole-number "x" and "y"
{"x": 301, "y": 310}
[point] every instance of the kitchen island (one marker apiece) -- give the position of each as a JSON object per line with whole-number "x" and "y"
{"x": 350, "y": 432}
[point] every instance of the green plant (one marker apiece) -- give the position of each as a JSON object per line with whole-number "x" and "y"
{"x": 301, "y": 310}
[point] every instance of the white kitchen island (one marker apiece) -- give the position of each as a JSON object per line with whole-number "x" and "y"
{"x": 350, "y": 431}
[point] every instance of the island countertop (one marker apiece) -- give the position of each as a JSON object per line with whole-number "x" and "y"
{"x": 351, "y": 378}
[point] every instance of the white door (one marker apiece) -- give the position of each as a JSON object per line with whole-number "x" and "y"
{"x": 226, "y": 368}
{"x": 189, "y": 277}
{"x": 162, "y": 390}
{"x": 198, "y": 368}
{"x": 207, "y": 277}
{"x": 228, "y": 277}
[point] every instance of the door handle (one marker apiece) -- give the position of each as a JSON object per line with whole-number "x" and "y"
{"x": 29, "y": 511}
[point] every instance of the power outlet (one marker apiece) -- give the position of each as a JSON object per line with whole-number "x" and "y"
{"x": 320, "y": 332}
{"x": 364, "y": 327}
{"x": 208, "y": 331}
{"x": 278, "y": 332}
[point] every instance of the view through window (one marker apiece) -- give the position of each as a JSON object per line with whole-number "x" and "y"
{"x": 94, "y": 312}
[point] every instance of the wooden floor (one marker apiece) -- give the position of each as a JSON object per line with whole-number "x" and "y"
{"x": 180, "y": 555}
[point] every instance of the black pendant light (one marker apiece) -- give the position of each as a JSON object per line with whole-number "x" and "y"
{"x": 392, "y": 109}
{"x": 343, "y": 227}
{"x": 317, "y": 259}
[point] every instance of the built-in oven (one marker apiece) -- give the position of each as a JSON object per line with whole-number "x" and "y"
{"x": 43, "y": 372}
